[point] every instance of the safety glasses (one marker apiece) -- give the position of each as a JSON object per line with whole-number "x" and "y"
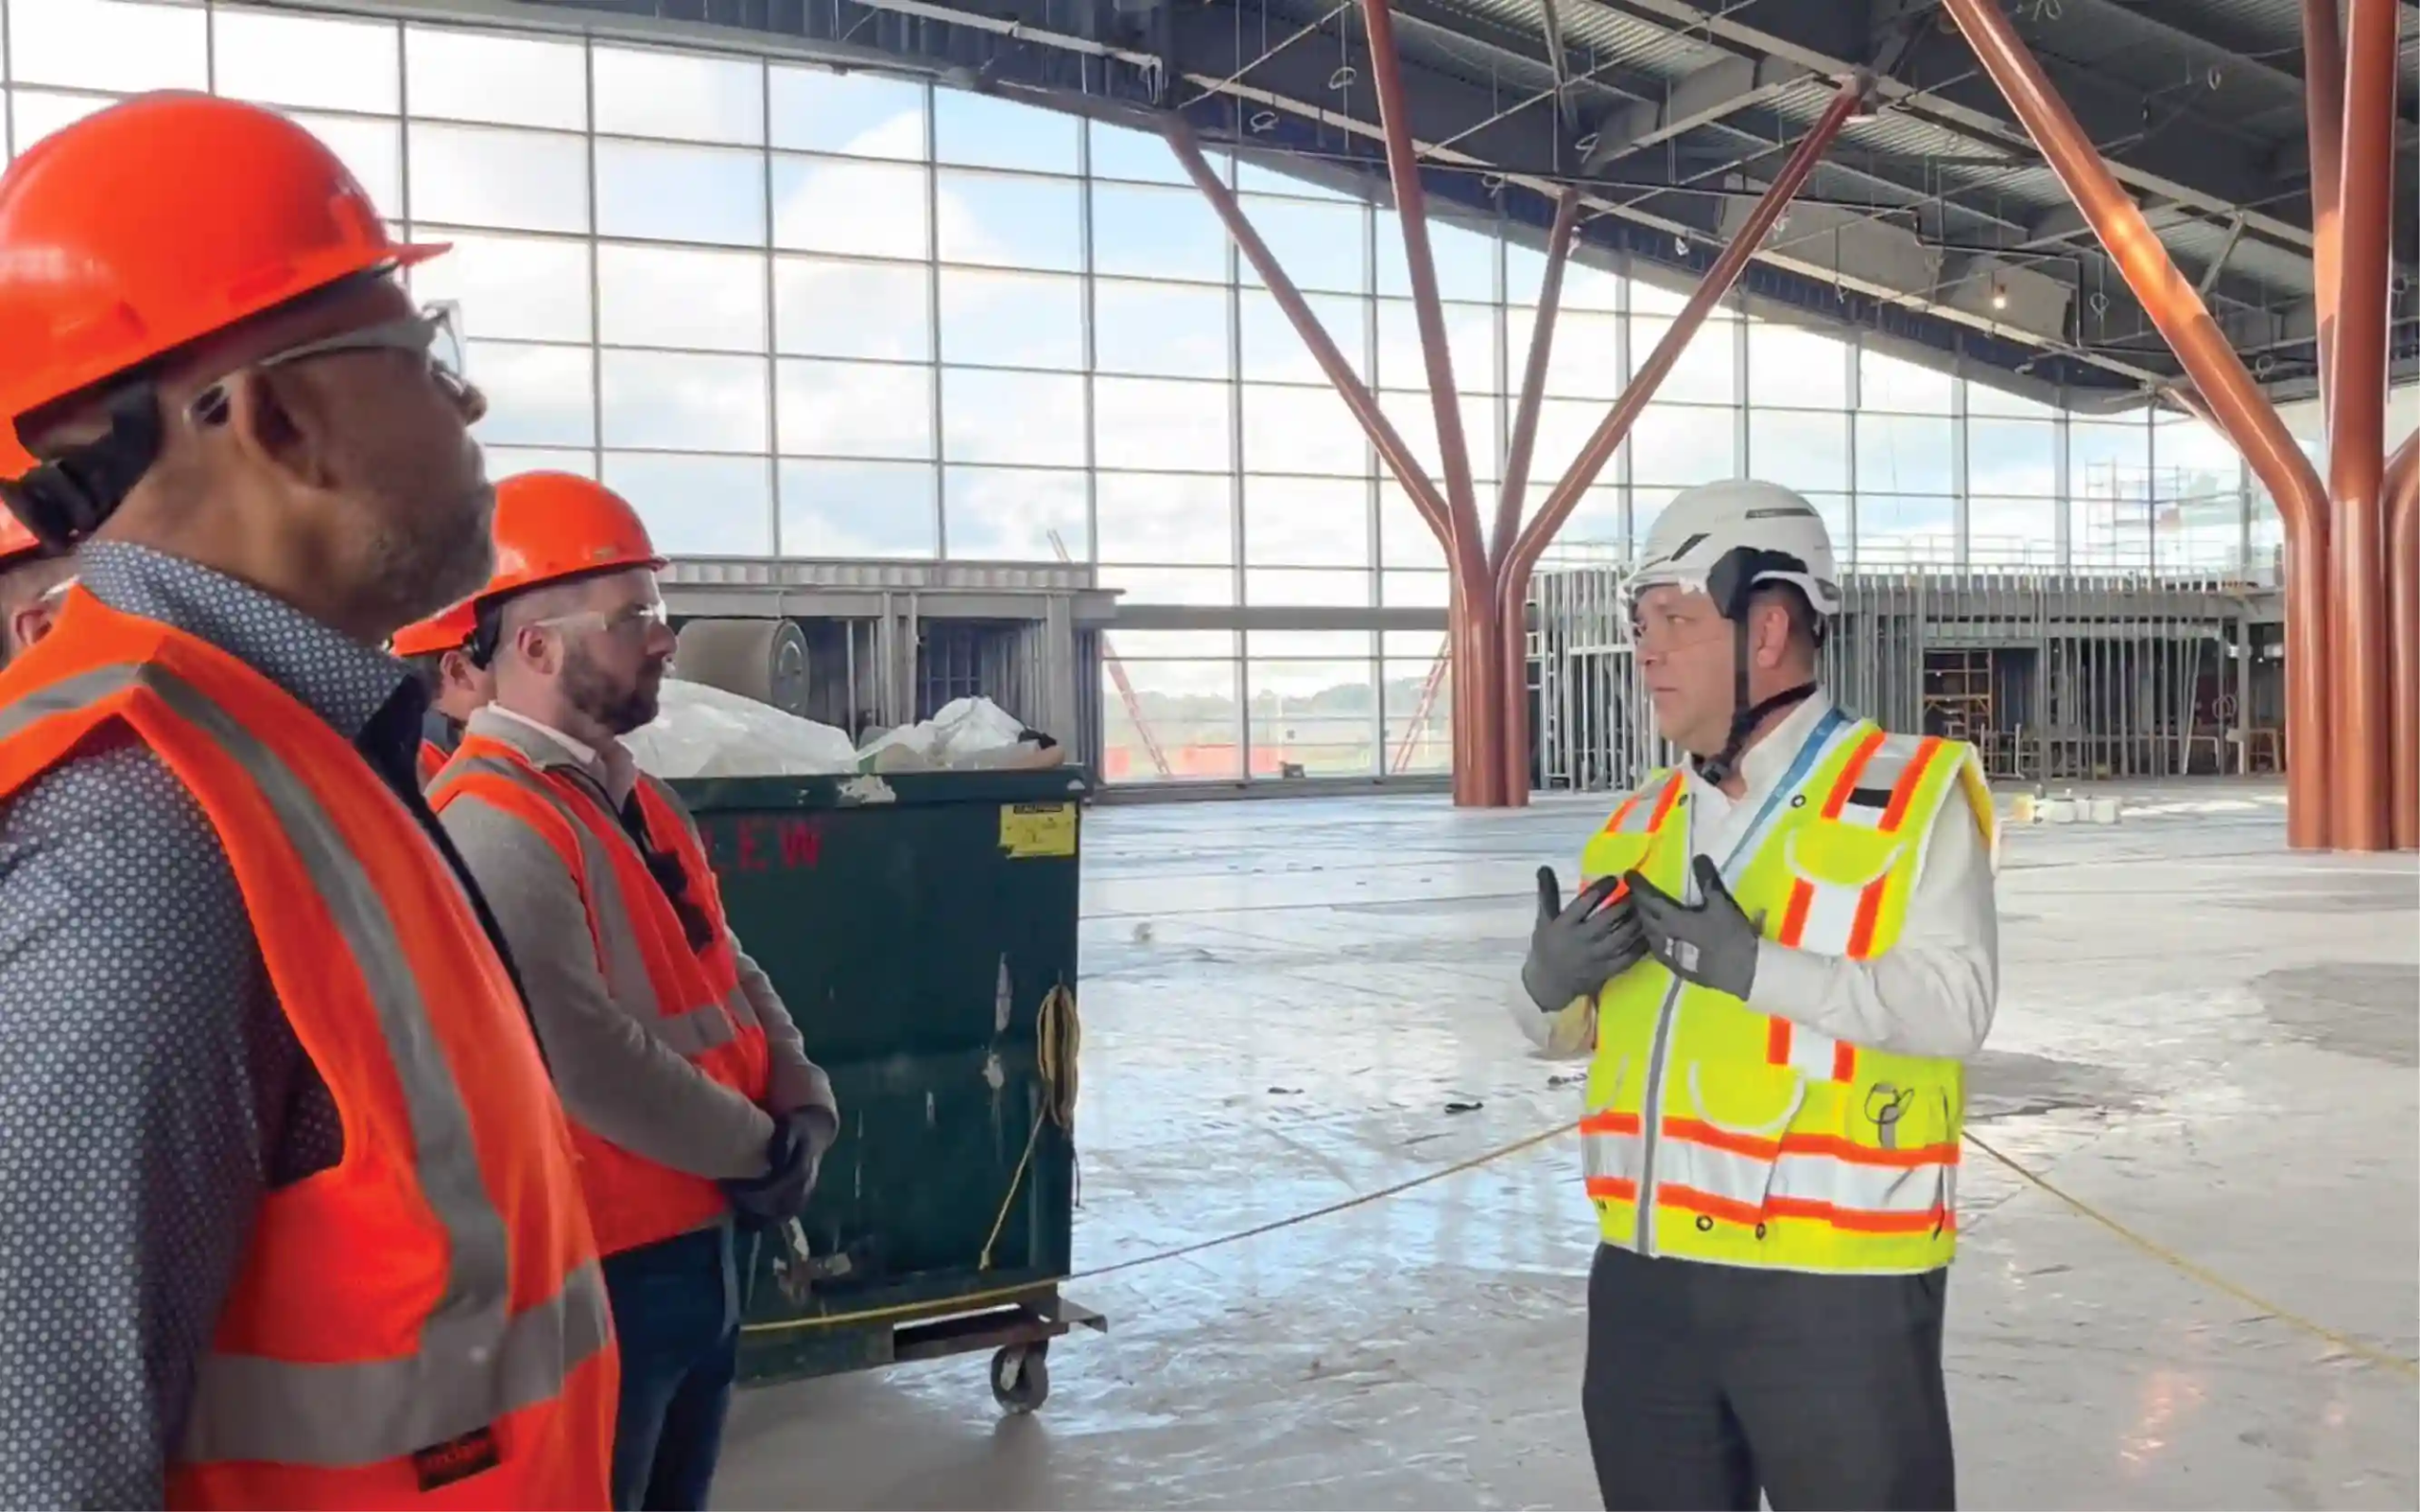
{"x": 435, "y": 333}
{"x": 630, "y": 623}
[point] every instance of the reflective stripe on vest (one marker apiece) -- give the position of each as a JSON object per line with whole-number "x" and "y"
{"x": 432, "y": 760}
{"x": 476, "y": 1362}
{"x": 688, "y": 1032}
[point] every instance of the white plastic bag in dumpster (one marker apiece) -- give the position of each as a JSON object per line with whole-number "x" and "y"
{"x": 907, "y": 748}
{"x": 703, "y": 732}
{"x": 975, "y": 734}
{"x": 969, "y": 731}
{"x": 967, "y": 735}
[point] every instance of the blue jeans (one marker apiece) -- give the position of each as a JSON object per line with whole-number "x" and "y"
{"x": 676, "y": 1316}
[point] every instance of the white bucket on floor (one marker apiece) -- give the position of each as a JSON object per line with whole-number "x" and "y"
{"x": 2058, "y": 811}
{"x": 2104, "y": 811}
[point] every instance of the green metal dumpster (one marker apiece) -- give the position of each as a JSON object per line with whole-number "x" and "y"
{"x": 922, "y": 929}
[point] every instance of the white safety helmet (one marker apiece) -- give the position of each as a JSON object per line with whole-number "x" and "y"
{"x": 1778, "y": 535}
{"x": 1727, "y": 540}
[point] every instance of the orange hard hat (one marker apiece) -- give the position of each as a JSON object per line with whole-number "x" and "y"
{"x": 157, "y": 222}
{"x": 449, "y": 629}
{"x": 553, "y": 525}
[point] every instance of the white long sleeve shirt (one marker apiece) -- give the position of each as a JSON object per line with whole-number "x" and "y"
{"x": 1933, "y": 992}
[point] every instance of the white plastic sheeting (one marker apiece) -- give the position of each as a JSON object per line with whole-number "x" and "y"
{"x": 704, "y": 731}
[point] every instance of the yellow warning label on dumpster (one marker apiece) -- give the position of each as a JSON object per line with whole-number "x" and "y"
{"x": 1030, "y": 830}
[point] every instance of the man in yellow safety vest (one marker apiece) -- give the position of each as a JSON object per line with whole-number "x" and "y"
{"x": 1780, "y": 957}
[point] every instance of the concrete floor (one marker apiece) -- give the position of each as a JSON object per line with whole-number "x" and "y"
{"x": 2211, "y": 1038}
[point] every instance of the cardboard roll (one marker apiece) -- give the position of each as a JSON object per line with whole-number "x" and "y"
{"x": 764, "y": 659}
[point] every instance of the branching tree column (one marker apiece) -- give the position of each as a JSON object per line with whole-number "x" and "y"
{"x": 2243, "y": 412}
{"x": 1514, "y": 566}
{"x": 1481, "y": 777}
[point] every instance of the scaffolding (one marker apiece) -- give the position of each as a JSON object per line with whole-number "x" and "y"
{"x": 2050, "y": 676}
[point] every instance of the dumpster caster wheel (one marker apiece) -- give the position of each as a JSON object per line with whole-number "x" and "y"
{"x": 1021, "y": 1377}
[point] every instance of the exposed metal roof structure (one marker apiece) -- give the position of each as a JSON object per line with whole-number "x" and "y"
{"x": 1934, "y": 221}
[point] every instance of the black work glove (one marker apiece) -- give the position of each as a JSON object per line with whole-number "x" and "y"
{"x": 792, "y": 1158}
{"x": 1574, "y": 952}
{"x": 1712, "y": 944}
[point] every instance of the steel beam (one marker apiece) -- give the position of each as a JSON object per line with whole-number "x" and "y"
{"x": 1521, "y": 147}
{"x": 1524, "y": 439}
{"x": 2356, "y": 405}
{"x": 1474, "y": 602}
{"x": 2243, "y": 413}
{"x": 1935, "y": 78}
{"x": 1698, "y": 99}
{"x": 2324, "y": 114}
{"x": 2402, "y": 486}
{"x": 2061, "y": 224}
{"x": 1512, "y": 573}
{"x": 1551, "y": 23}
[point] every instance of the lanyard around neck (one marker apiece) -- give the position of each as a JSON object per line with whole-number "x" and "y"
{"x": 1799, "y": 767}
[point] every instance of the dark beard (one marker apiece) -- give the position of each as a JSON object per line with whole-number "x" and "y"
{"x": 618, "y": 708}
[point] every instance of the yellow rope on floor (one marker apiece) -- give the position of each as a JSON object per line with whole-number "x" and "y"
{"x": 2202, "y": 1273}
{"x": 2152, "y": 1248}
{"x": 1362, "y": 1200}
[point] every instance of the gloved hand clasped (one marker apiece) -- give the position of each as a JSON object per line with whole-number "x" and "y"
{"x": 1712, "y": 944}
{"x": 1574, "y": 952}
{"x": 793, "y": 1157}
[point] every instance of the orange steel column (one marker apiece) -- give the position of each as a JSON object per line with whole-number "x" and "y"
{"x": 2247, "y": 416}
{"x": 1524, "y": 440}
{"x": 1512, "y": 573}
{"x": 1475, "y": 610}
{"x": 2403, "y": 641}
{"x": 2323, "y": 113}
{"x": 2356, "y": 407}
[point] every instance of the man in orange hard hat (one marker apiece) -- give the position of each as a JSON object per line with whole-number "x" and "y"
{"x": 438, "y": 651}
{"x": 292, "y": 1211}
{"x": 689, "y": 1090}
{"x": 32, "y": 578}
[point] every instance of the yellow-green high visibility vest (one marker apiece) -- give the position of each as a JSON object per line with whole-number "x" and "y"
{"x": 1717, "y": 1133}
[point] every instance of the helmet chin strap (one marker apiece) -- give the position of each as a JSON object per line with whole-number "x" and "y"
{"x": 1745, "y": 717}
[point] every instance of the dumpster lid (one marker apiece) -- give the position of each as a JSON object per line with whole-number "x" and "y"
{"x": 1053, "y": 784}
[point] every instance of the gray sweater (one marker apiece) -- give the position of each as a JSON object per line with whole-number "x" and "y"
{"x": 615, "y": 1078}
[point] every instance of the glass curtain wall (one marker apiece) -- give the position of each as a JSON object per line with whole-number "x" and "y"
{"x": 791, "y": 312}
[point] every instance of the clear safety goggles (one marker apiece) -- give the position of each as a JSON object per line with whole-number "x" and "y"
{"x": 633, "y": 622}
{"x": 433, "y": 333}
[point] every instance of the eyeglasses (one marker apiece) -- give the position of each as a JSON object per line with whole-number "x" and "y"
{"x": 435, "y": 333}
{"x": 630, "y": 623}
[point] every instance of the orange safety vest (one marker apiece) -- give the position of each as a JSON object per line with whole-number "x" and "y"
{"x": 423, "y": 1324}
{"x": 432, "y": 757}
{"x": 689, "y": 999}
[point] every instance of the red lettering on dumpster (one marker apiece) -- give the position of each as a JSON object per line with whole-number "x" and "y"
{"x": 761, "y": 843}
{"x": 802, "y": 845}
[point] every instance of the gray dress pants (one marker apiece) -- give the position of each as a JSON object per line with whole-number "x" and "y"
{"x": 1709, "y": 1384}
